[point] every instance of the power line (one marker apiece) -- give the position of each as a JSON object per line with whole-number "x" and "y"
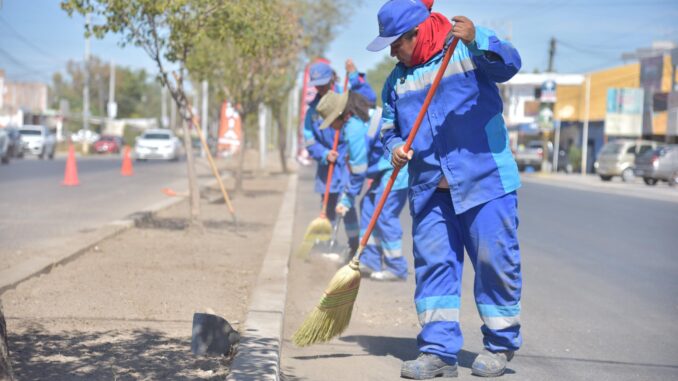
{"x": 26, "y": 69}
{"x": 27, "y": 41}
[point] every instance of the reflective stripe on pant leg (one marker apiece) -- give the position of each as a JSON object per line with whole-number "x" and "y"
{"x": 492, "y": 243}
{"x": 392, "y": 233}
{"x": 371, "y": 256}
{"x": 438, "y": 260}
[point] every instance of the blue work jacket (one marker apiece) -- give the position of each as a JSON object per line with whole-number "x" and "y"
{"x": 463, "y": 136}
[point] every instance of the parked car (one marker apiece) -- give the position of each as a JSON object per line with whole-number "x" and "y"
{"x": 617, "y": 158}
{"x": 5, "y": 153}
{"x": 108, "y": 144}
{"x": 157, "y": 144}
{"x": 38, "y": 140}
{"x": 532, "y": 155}
{"x": 15, "y": 143}
{"x": 660, "y": 164}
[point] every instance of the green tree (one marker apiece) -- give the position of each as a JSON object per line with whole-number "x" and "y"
{"x": 261, "y": 71}
{"x": 136, "y": 93}
{"x": 376, "y": 76}
{"x": 321, "y": 20}
{"x": 168, "y": 30}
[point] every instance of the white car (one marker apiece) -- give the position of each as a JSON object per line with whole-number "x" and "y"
{"x": 38, "y": 140}
{"x": 157, "y": 144}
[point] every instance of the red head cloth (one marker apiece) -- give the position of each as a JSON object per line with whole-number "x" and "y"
{"x": 430, "y": 38}
{"x": 428, "y": 4}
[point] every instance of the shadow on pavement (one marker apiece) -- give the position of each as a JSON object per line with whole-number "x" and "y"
{"x": 400, "y": 347}
{"x": 110, "y": 355}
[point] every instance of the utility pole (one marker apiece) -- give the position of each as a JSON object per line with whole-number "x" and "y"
{"x": 552, "y": 54}
{"x": 85, "y": 91}
{"x": 291, "y": 131}
{"x": 203, "y": 119}
{"x": 585, "y": 135}
{"x": 262, "y": 136}
{"x": 164, "y": 120}
{"x": 556, "y": 145}
{"x": 112, "y": 107}
{"x": 173, "y": 115}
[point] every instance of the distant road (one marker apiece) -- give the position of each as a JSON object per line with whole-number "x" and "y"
{"x": 37, "y": 213}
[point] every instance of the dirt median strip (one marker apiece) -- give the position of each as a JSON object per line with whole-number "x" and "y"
{"x": 124, "y": 309}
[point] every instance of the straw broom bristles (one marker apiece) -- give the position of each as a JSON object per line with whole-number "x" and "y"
{"x": 332, "y": 315}
{"x": 319, "y": 230}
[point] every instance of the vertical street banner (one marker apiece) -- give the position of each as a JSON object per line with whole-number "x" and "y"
{"x": 230, "y": 130}
{"x": 624, "y": 114}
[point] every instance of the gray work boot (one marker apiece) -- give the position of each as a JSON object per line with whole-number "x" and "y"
{"x": 386, "y": 276}
{"x": 427, "y": 366}
{"x": 489, "y": 364}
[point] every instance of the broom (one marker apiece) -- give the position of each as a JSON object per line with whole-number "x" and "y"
{"x": 320, "y": 229}
{"x": 333, "y": 313}
{"x": 215, "y": 170}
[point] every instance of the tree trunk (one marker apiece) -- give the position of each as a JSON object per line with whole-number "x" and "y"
{"x": 282, "y": 141}
{"x": 6, "y": 373}
{"x": 194, "y": 191}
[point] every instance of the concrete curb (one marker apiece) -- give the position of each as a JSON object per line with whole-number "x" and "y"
{"x": 258, "y": 356}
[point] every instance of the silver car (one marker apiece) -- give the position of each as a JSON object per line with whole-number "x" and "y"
{"x": 617, "y": 158}
{"x": 38, "y": 140}
{"x": 660, "y": 164}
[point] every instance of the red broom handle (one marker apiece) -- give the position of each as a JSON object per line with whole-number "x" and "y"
{"x": 331, "y": 169}
{"x": 329, "y": 175}
{"x": 408, "y": 143}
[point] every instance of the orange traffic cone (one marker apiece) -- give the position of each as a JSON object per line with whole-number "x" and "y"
{"x": 71, "y": 173}
{"x": 126, "y": 169}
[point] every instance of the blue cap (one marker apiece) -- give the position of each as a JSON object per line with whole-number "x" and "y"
{"x": 320, "y": 74}
{"x": 366, "y": 90}
{"x": 397, "y": 17}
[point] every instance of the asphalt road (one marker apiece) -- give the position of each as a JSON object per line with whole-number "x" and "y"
{"x": 37, "y": 213}
{"x": 599, "y": 300}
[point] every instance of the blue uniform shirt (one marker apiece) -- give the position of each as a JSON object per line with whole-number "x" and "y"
{"x": 367, "y": 158}
{"x": 318, "y": 143}
{"x": 462, "y": 136}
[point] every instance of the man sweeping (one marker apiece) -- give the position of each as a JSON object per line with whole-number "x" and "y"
{"x": 319, "y": 146}
{"x": 463, "y": 182}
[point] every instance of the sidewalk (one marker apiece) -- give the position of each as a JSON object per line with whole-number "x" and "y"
{"x": 123, "y": 310}
{"x": 593, "y": 183}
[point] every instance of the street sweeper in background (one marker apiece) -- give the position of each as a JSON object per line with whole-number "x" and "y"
{"x": 319, "y": 145}
{"x": 382, "y": 259}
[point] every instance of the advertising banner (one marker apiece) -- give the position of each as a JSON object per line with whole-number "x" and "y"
{"x": 624, "y": 116}
{"x": 230, "y": 130}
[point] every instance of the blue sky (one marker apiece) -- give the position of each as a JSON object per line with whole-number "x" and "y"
{"x": 38, "y": 38}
